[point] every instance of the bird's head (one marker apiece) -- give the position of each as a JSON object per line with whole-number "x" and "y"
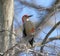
{"x": 26, "y": 18}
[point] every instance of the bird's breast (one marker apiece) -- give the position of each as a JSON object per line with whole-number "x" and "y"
{"x": 29, "y": 28}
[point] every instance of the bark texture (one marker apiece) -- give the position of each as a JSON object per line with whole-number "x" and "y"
{"x": 6, "y": 19}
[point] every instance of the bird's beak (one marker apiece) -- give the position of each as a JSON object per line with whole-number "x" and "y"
{"x": 30, "y": 15}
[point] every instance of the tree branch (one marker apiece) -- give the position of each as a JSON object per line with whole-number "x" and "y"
{"x": 32, "y": 5}
{"x": 44, "y": 40}
{"x": 53, "y": 38}
{"x": 51, "y": 12}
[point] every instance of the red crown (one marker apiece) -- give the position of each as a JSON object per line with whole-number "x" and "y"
{"x": 23, "y": 17}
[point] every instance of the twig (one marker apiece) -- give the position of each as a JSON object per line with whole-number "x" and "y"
{"x": 44, "y": 40}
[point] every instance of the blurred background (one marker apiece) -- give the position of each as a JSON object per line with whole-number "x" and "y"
{"x": 46, "y": 14}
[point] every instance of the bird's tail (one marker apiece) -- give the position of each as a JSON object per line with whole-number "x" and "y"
{"x": 31, "y": 41}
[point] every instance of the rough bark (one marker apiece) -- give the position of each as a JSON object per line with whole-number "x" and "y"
{"x": 6, "y": 18}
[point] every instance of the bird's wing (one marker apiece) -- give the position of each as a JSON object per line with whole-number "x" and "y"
{"x": 29, "y": 27}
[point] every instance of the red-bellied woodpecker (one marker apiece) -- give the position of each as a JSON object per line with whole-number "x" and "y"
{"x": 28, "y": 29}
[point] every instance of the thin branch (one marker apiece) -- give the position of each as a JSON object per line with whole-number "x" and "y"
{"x": 46, "y": 37}
{"x": 35, "y": 5}
{"x": 10, "y": 49}
{"x": 52, "y": 39}
{"x": 47, "y": 41}
{"x": 44, "y": 41}
{"x": 36, "y": 44}
{"x": 32, "y": 5}
{"x": 8, "y": 31}
{"x": 51, "y": 13}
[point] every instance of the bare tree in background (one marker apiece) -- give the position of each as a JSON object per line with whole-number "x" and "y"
{"x": 7, "y": 36}
{"x": 51, "y": 12}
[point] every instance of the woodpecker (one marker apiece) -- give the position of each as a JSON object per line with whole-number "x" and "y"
{"x": 28, "y": 29}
